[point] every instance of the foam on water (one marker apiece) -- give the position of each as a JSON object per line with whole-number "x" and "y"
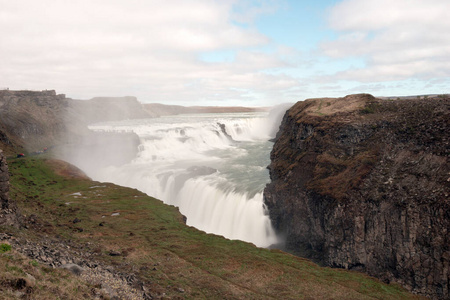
{"x": 216, "y": 177}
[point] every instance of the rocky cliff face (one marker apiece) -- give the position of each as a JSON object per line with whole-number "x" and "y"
{"x": 363, "y": 183}
{"x": 8, "y": 209}
{"x": 32, "y": 119}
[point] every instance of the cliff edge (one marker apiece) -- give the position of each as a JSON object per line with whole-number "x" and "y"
{"x": 363, "y": 183}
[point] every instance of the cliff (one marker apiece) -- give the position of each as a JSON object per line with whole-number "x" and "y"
{"x": 31, "y": 119}
{"x": 362, "y": 183}
{"x": 8, "y": 209}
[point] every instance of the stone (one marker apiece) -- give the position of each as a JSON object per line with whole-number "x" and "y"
{"x": 73, "y": 268}
{"x": 19, "y": 294}
{"x": 114, "y": 253}
{"x": 30, "y": 280}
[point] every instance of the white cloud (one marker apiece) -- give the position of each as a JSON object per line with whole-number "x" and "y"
{"x": 398, "y": 40}
{"x": 369, "y": 15}
{"x": 246, "y": 11}
{"x": 146, "y": 48}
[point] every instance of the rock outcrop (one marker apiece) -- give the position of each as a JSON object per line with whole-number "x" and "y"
{"x": 362, "y": 183}
{"x": 35, "y": 120}
{"x": 32, "y": 119}
{"x": 8, "y": 209}
{"x": 39, "y": 119}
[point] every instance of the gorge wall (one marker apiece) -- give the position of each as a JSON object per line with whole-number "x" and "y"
{"x": 8, "y": 209}
{"x": 363, "y": 183}
{"x": 33, "y": 120}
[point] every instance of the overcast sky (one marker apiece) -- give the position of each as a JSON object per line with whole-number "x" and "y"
{"x": 225, "y": 52}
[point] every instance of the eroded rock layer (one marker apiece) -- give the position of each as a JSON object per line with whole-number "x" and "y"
{"x": 363, "y": 183}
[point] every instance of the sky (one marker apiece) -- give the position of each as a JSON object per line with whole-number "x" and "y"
{"x": 225, "y": 52}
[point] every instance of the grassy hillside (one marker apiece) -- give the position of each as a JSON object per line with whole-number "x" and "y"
{"x": 24, "y": 278}
{"x": 108, "y": 229}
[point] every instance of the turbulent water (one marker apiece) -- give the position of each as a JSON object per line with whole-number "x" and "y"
{"x": 211, "y": 166}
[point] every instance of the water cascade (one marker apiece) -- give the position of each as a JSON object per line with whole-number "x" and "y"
{"x": 211, "y": 166}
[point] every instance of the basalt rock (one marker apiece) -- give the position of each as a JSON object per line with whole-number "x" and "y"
{"x": 8, "y": 209}
{"x": 73, "y": 268}
{"x": 363, "y": 183}
{"x": 37, "y": 121}
{"x": 31, "y": 119}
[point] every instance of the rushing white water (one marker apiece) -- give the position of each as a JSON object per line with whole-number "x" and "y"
{"x": 212, "y": 166}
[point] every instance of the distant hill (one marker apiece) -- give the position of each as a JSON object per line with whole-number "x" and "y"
{"x": 166, "y": 110}
{"x": 418, "y": 97}
{"x": 100, "y": 109}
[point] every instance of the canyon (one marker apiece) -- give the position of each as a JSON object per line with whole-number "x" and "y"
{"x": 357, "y": 183}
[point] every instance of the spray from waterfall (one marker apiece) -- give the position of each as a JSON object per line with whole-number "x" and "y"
{"x": 212, "y": 166}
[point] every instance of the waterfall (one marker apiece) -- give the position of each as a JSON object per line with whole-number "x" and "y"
{"x": 211, "y": 166}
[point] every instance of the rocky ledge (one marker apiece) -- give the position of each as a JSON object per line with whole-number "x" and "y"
{"x": 363, "y": 183}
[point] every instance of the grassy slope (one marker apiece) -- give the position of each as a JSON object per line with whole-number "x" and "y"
{"x": 169, "y": 256}
{"x": 21, "y": 277}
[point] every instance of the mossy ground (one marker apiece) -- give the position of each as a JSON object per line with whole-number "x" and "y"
{"x": 156, "y": 245}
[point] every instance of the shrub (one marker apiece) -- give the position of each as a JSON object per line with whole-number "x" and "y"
{"x": 371, "y": 108}
{"x": 34, "y": 263}
{"x": 5, "y": 248}
{"x": 367, "y": 110}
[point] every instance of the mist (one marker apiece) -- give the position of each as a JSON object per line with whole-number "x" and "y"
{"x": 211, "y": 166}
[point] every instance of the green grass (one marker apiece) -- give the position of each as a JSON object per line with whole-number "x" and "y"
{"x": 5, "y": 248}
{"x": 168, "y": 255}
